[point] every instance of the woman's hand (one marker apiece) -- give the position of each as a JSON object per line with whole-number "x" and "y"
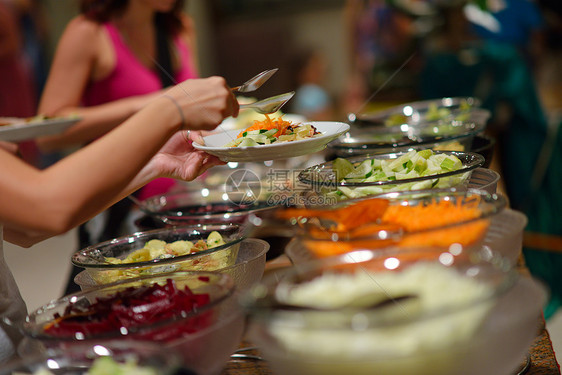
{"x": 204, "y": 103}
{"x": 179, "y": 159}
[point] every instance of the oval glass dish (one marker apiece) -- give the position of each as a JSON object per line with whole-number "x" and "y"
{"x": 94, "y": 259}
{"x": 420, "y": 312}
{"x": 328, "y": 178}
{"x": 194, "y": 314}
{"x": 451, "y": 108}
{"x": 246, "y": 271}
{"x": 437, "y": 218}
{"x": 447, "y": 136}
{"x": 223, "y": 204}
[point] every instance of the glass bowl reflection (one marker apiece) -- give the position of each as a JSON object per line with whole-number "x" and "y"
{"x": 447, "y": 312}
{"x": 93, "y": 258}
{"x": 204, "y": 337}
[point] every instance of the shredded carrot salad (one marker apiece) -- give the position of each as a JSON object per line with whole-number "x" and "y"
{"x": 366, "y": 218}
{"x": 268, "y": 124}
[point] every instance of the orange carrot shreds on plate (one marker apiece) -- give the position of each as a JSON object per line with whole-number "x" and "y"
{"x": 268, "y": 124}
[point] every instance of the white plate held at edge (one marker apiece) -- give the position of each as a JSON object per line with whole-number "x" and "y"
{"x": 214, "y": 144}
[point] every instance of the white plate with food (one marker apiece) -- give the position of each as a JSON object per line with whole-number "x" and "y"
{"x": 266, "y": 144}
{"x": 19, "y": 129}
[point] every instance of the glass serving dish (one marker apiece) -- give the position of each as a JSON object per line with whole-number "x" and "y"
{"x": 94, "y": 258}
{"x": 140, "y": 357}
{"x": 246, "y": 271}
{"x": 441, "y": 109}
{"x": 423, "y": 312}
{"x": 327, "y": 180}
{"x": 437, "y": 218}
{"x": 484, "y": 145}
{"x": 445, "y": 136}
{"x": 261, "y": 189}
{"x": 194, "y": 314}
{"x": 212, "y": 204}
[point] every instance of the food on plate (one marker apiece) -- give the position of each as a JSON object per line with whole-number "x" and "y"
{"x": 4, "y": 121}
{"x": 411, "y": 165}
{"x": 446, "y": 310}
{"x": 376, "y": 223}
{"x": 158, "y": 249}
{"x": 108, "y": 366}
{"x": 273, "y": 131}
{"x": 135, "y": 308}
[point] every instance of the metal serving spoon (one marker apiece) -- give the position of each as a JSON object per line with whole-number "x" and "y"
{"x": 255, "y": 83}
{"x": 269, "y": 105}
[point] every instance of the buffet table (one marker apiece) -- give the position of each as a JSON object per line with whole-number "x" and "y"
{"x": 542, "y": 357}
{"x": 543, "y": 360}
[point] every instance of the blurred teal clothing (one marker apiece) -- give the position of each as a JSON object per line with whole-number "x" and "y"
{"x": 498, "y": 74}
{"x": 310, "y": 99}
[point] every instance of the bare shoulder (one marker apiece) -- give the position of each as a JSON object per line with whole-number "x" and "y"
{"x": 81, "y": 30}
{"x": 81, "y": 39}
{"x": 188, "y": 25}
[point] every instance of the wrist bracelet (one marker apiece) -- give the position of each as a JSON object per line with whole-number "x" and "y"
{"x": 183, "y": 123}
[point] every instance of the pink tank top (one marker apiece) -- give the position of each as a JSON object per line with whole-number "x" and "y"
{"x": 129, "y": 78}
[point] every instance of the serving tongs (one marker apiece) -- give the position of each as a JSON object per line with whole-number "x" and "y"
{"x": 268, "y": 105}
{"x": 255, "y": 82}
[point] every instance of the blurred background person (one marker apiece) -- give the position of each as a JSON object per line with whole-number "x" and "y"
{"x": 495, "y": 67}
{"x": 381, "y": 40}
{"x": 516, "y": 22}
{"x": 111, "y": 60}
{"x": 17, "y": 90}
{"x": 311, "y": 99}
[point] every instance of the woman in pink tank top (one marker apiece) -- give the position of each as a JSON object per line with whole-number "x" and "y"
{"x": 111, "y": 61}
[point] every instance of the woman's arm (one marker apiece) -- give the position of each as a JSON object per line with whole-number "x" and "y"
{"x": 189, "y": 37}
{"x": 37, "y": 204}
{"x": 76, "y": 62}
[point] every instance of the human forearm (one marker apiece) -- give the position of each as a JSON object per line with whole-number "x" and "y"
{"x": 91, "y": 179}
{"x": 95, "y": 121}
{"x": 36, "y": 204}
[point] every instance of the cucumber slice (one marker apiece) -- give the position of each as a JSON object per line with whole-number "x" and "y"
{"x": 235, "y": 142}
{"x": 422, "y": 185}
{"x": 425, "y": 153}
{"x": 399, "y": 164}
{"x": 451, "y": 163}
{"x": 248, "y": 142}
{"x": 341, "y": 168}
{"x": 258, "y": 138}
{"x": 270, "y": 132}
{"x": 349, "y": 193}
{"x": 363, "y": 170}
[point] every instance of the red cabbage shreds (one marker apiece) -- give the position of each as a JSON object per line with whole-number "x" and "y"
{"x": 136, "y": 307}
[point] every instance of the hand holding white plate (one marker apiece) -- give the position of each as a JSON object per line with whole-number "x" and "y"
{"x": 215, "y": 144}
